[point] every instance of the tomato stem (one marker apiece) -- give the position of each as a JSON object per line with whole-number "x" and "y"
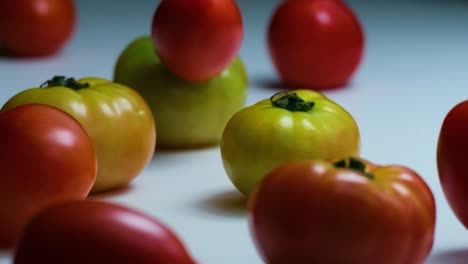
{"x": 354, "y": 164}
{"x": 63, "y": 81}
{"x": 291, "y": 102}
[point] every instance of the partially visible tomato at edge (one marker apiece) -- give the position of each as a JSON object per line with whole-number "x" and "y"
{"x": 32, "y": 28}
{"x": 197, "y": 39}
{"x": 452, "y": 153}
{"x": 46, "y": 157}
{"x": 94, "y": 231}
{"x": 315, "y": 44}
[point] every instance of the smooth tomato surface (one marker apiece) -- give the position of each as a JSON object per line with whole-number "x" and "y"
{"x": 188, "y": 114}
{"x": 315, "y": 44}
{"x": 36, "y": 27}
{"x": 452, "y": 151}
{"x": 197, "y": 39}
{"x": 46, "y": 157}
{"x": 117, "y": 119}
{"x": 313, "y": 212}
{"x": 98, "y": 232}
{"x": 264, "y": 135}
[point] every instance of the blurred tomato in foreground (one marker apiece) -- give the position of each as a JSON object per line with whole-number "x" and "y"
{"x": 315, "y": 44}
{"x": 98, "y": 232}
{"x": 46, "y": 157}
{"x": 349, "y": 211}
{"x": 452, "y": 153}
{"x": 36, "y": 27}
{"x": 197, "y": 39}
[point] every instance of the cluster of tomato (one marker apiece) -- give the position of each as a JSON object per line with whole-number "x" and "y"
{"x": 312, "y": 198}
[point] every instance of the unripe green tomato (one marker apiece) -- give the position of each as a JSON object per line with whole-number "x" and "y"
{"x": 188, "y": 114}
{"x": 297, "y": 125}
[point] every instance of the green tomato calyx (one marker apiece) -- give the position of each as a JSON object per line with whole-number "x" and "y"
{"x": 354, "y": 164}
{"x": 64, "y": 81}
{"x": 291, "y": 102}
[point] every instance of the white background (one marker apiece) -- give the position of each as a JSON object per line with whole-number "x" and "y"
{"x": 414, "y": 71}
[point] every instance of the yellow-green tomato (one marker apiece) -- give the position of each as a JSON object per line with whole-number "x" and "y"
{"x": 117, "y": 119}
{"x": 296, "y": 125}
{"x": 187, "y": 113}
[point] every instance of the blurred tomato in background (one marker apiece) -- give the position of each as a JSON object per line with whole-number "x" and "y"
{"x": 32, "y": 28}
{"x": 197, "y": 40}
{"x": 315, "y": 44}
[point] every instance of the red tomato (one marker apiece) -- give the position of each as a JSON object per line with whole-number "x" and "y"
{"x": 197, "y": 39}
{"x": 348, "y": 212}
{"x": 36, "y": 27}
{"x": 46, "y": 157}
{"x": 98, "y": 232}
{"x": 452, "y": 151}
{"x": 316, "y": 44}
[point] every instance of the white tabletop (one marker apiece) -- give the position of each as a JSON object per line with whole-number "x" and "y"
{"x": 414, "y": 71}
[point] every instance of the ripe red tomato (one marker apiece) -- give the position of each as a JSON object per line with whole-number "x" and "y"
{"x": 98, "y": 232}
{"x": 316, "y": 44}
{"x": 197, "y": 39}
{"x": 36, "y": 27}
{"x": 345, "y": 212}
{"x": 452, "y": 151}
{"x": 46, "y": 157}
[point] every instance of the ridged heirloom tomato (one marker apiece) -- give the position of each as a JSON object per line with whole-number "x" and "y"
{"x": 300, "y": 124}
{"x": 46, "y": 157}
{"x": 98, "y": 232}
{"x": 117, "y": 119}
{"x": 348, "y": 211}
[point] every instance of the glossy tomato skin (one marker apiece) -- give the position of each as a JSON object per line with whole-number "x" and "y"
{"x": 117, "y": 119}
{"x": 98, "y": 232}
{"x": 36, "y": 27}
{"x": 197, "y": 39}
{"x": 311, "y": 212}
{"x": 188, "y": 114}
{"x": 260, "y": 137}
{"x": 452, "y": 150}
{"x": 316, "y": 44}
{"x": 46, "y": 157}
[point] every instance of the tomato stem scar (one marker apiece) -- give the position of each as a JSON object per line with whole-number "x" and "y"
{"x": 63, "y": 81}
{"x": 354, "y": 164}
{"x": 291, "y": 102}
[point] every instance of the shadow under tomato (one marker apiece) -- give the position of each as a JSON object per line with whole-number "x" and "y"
{"x": 270, "y": 82}
{"x": 175, "y": 149}
{"x": 457, "y": 256}
{"x": 162, "y": 152}
{"x": 175, "y": 157}
{"x": 5, "y": 55}
{"x": 112, "y": 193}
{"x": 231, "y": 203}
